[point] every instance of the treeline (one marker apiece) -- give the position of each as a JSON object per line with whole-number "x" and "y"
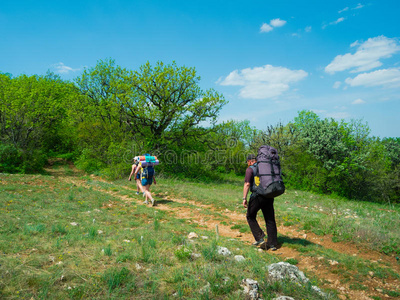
{"x": 109, "y": 114}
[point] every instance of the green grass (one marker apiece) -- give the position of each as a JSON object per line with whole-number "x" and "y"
{"x": 63, "y": 241}
{"x": 369, "y": 224}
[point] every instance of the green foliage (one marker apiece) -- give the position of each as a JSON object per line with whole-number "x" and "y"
{"x": 339, "y": 157}
{"x": 115, "y": 278}
{"x": 183, "y": 253}
{"x": 10, "y": 158}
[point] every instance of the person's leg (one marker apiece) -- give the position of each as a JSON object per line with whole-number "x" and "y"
{"x": 252, "y": 209}
{"x": 268, "y": 211}
{"x": 146, "y": 193}
{"x": 139, "y": 186}
{"x": 150, "y": 195}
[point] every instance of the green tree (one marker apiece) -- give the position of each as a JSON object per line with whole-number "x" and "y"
{"x": 155, "y": 109}
{"x": 166, "y": 103}
{"x": 32, "y": 110}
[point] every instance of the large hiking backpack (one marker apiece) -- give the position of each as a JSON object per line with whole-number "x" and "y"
{"x": 267, "y": 173}
{"x": 148, "y": 166}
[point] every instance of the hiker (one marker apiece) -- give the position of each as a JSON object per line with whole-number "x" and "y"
{"x": 255, "y": 203}
{"x": 137, "y": 178}
{"x": 147, "y": 178}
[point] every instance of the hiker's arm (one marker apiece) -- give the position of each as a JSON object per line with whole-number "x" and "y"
{"x": 246, "y": 189}
{"x": 133, "y": 171}
{"x": 137, "y": 170}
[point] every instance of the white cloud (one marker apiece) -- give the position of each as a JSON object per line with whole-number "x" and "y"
{"x": 273, "y": 23}
{"x": 337, "y": 85}
{"x": 266, "y": 28}
{"x": 358, "y": 101}
{"x": 341, "y": 19}
{"x": 63, "y": 69}
{"x": 277, "y": 22}
{"x": 366, "y": 57}
{"x": 388, "y": 78}
{"x": 308, "y": 29}
{"x": 359, "y": 5}
{"x": 263, "y": 82}
{"x": 343, "y": 10}
{"x": 356, "y": 43}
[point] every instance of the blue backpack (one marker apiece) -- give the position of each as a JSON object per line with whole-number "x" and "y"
{"x": 148, "y": 171}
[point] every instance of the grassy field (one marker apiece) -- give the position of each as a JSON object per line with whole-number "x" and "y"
{"x": 67, "y": 235}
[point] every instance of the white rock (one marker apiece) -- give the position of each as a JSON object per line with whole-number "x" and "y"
{"x": 223, "y": 251}
{"x": 250, "y": 288}
{"x": 205, "y": 288}
{"x": 74, "y": 224}
{"x": 192, "y": 235}
{"x": 333, "y": 262}
{"x": 239, "y": 258}
{"x": 195, "y": 255}
{"x": 282, "y": 270}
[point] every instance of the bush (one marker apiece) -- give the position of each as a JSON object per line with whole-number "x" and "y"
{"x": 10, "y": 159}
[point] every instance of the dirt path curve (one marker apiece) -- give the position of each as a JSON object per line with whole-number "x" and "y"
{"x": 313, "y": 265}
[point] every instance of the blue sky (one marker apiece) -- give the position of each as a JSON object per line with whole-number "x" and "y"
{"x": 270, "y": 59}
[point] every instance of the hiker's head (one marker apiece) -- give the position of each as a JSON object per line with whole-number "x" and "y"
{"x": 251, "y": 159}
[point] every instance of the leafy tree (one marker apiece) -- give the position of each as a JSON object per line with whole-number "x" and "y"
{"x": 32, "y": 111}
{"x": 167, "y": 104}
{"x": 155, "y": 108}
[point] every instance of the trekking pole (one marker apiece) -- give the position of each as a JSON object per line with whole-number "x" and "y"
{"x": 216, "y": 230}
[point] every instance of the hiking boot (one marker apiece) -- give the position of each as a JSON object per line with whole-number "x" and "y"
{"x": 137, "y": 193}
{"x": 153, "y": 202}
{"x": 146, "y": 202}
{"x": 272, "y": 248}
{"x": 259, "y": 242}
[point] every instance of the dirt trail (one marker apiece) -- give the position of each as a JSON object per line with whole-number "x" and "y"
{"x": 311, "y": 265}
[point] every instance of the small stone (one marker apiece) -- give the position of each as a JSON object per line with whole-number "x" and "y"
{"x": 195, "y": 255}
{"x": 205, "y": 288}
{"x": 223, "y": 251}
{"x": 333, "y": 262}
{"x": 74, "y": 224}
{"x": 192, "y": 235}
{"x": 239, "y": 258}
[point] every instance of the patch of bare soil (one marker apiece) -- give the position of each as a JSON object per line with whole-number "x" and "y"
{"x": 327, "y": 271}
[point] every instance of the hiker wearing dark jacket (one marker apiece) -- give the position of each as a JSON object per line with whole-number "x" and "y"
{"x": 255, "y": 203}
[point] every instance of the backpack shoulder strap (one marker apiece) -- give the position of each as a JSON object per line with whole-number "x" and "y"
{"x": 255, "y": 169}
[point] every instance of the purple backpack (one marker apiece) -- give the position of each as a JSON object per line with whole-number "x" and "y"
{"x": 267, "y": 173}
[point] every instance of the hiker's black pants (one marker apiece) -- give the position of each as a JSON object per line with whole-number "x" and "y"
{"x": 267, "y": 207}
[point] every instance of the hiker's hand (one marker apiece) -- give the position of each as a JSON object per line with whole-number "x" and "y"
{"x": 244, "y": 203}
{"x": 129, "y": 179}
